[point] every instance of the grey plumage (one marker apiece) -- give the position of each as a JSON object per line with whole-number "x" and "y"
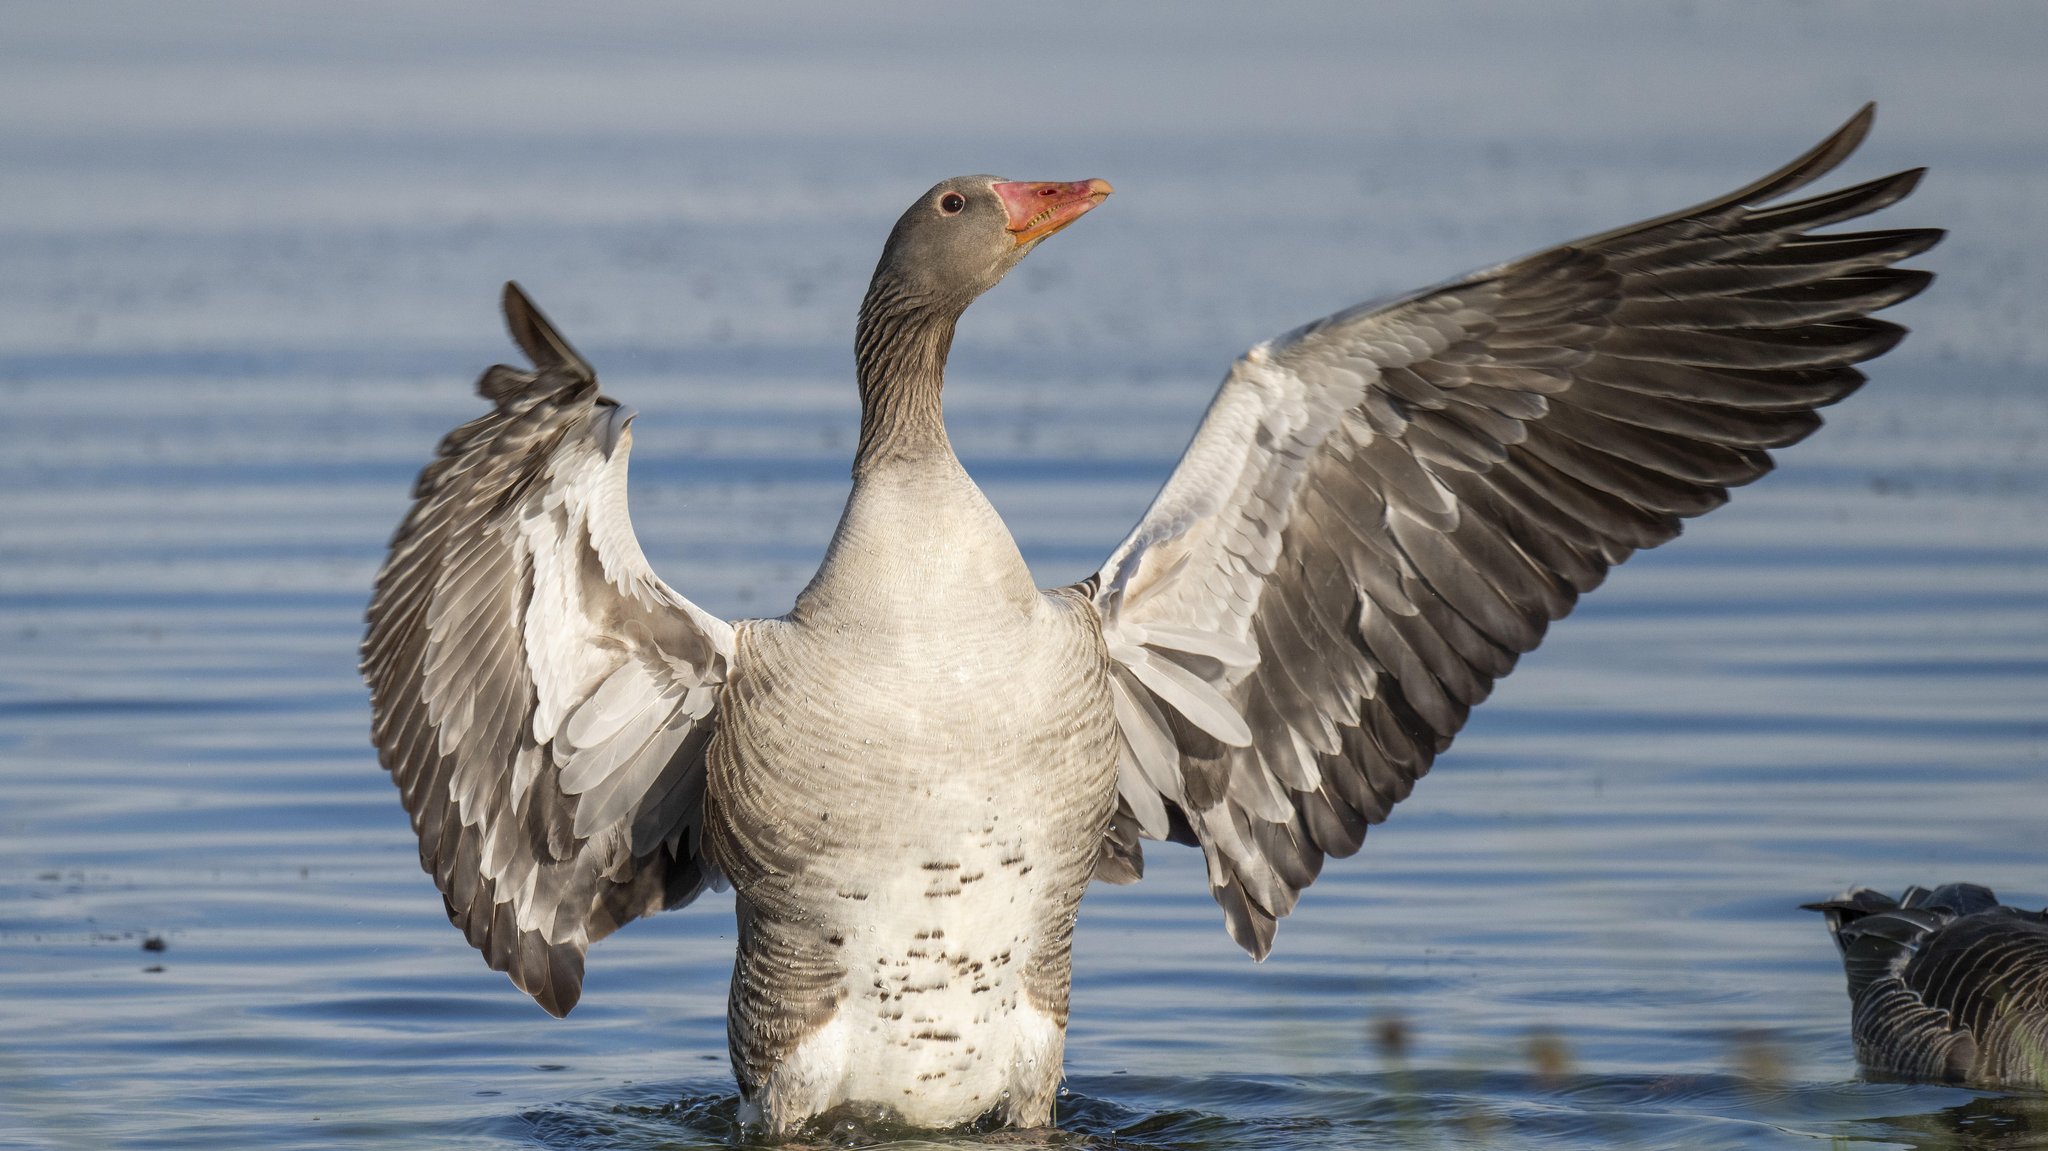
{"x": 540, "y": 698}
{"x": 1383, "y": 509}
{"x": 1947, "y": 985}
{"x": 910, "y": 778}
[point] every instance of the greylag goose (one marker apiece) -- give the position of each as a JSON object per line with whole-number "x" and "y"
{"x": 1947, "y": 986}
{"x": 910, "y": 778}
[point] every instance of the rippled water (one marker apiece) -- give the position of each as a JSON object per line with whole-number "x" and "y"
{"x": 250, "y": 257}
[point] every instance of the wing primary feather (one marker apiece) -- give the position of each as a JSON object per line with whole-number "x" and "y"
{"x": 1390, "y": 504}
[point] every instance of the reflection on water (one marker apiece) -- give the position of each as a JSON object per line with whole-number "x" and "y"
{"x": 251, "y": 266}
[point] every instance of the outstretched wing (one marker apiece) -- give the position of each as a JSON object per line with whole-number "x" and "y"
{"x": 540, "y": 697}
{"x": 1383, "y": 509}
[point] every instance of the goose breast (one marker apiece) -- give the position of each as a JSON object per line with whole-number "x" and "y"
{"x": 909, "y": 813}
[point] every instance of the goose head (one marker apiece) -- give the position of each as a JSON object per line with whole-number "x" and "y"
{"x": 960, "y": 238}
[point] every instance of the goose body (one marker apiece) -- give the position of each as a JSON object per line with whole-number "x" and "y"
{"x": 932, "y": 736}
{"x": 1948, "y": 985}
{"x": 910, "y": 778}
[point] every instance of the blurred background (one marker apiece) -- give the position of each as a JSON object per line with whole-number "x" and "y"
{"x": 249, "y": 265}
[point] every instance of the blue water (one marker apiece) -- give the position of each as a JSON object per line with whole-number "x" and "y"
{"x": 248, "y": 267}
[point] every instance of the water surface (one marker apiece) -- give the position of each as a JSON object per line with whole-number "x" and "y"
{"x": 251, "y": 259}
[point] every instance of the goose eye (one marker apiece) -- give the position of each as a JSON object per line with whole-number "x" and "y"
{"x": 951, "y": 203}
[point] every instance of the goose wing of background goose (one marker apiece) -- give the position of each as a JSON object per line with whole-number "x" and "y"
{"x": 540, "y": 697}
{"x": 1383, "y": 509}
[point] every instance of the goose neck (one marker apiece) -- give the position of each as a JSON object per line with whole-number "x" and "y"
{"x": 900, "y": 352}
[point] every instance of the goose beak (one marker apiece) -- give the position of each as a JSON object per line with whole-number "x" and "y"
{"x": 1037, "y": 210}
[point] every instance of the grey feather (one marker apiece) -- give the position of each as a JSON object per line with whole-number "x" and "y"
{"x": 1394, "y": 502}
{"x": 462, "y": 689}
{"x": 1945, "y": 984}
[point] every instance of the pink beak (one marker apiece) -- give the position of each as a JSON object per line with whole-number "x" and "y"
{"x": 1037, "y": 210}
